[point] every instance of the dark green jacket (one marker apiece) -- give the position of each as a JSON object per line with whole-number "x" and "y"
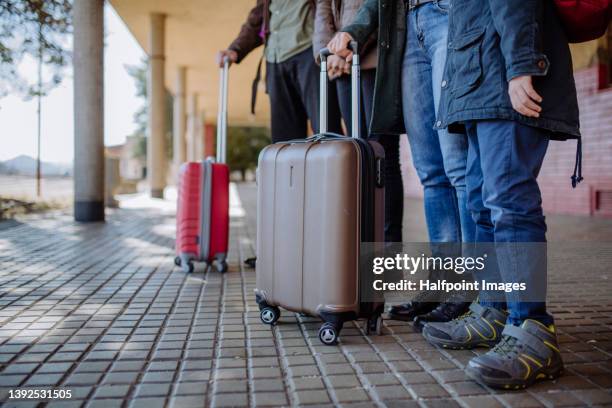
{"x": 491, "y": 42}
{"x": 390, "y": 15}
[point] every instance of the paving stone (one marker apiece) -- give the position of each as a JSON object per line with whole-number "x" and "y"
{"x": 158, "y": 376}
{"x": 307, "y": 383}
{"x": 260, "y": 386}
{"x": 152, "y": 390}
{"x": 148, "y": 403}
{"x": 11, "y": 380}
{"x": 106, "y": 403}
{"x": 344, "y": 381}
{"x": 312, "y": 397}
{"x": 190, "y": 388}
{"x": 187, "y": 402}
{"x": 20, "y": 368}
{"x": 120, "y": 377}
{"x": 230, "y": 400}
{"x": 351, "y": 395}
{"x": 83, "y": 378}
{"x": 44, "y": 379}
{"x": 270, "y": 399}
{"x": 112, "y": 391}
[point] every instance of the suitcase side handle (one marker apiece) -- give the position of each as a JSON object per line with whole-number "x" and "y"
{"x": 355, "y": 91}
{"x": 222, "y": 114}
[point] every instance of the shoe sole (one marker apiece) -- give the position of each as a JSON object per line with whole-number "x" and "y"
{"x": 541, "y": 375}
{"x": 453, "y": 345}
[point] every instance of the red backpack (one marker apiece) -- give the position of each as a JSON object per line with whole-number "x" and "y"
{"x": 584, "y": 20}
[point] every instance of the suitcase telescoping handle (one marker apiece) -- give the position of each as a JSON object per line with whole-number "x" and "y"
{"x": 355, "y": 91}
{"x": 222, "y": 115}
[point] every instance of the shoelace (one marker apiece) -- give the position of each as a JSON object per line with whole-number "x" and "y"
{"x": 463, "y": 317}
{"x": 507, "y": 345}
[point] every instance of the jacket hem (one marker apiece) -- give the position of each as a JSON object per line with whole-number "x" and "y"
{"x": 562, "y": 130}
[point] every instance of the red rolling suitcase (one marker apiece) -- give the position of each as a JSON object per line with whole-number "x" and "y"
{"x": 202, "y": 217}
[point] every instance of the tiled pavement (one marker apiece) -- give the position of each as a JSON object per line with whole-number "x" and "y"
{"x": 102, "y": 311}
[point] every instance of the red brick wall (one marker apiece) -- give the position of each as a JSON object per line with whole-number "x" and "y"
{"x": 595, "y": 100}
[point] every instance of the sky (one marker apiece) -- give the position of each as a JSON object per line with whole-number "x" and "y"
{"x": 18, "y": 119}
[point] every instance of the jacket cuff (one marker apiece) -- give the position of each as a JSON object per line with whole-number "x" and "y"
{"x": 537, "y": 66}
{"x": 240, "y": 54}
{"x": 360, "y": 35}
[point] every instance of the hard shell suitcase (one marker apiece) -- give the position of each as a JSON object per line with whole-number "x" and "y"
{"x": 202, "y": 219}
{"x": 317, "y": 200}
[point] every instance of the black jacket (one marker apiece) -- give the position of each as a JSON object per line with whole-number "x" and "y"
{"x": 390, "y": 16}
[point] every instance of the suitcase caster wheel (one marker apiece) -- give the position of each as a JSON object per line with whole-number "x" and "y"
{"x": 220, "y": 266}
{"x": 177, "y": 261}
{"x": 188, "y": 267}
{"x": 374, "y": 325}
{"x": 328, "y": 334}
{"x": 269, "y": 314}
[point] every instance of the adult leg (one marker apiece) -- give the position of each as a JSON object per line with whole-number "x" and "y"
{"x": 289, "y": 117}
{"x": 454, "y": 147}
{"x": 486, "y": 319}
{"x": 511, "y": 158}
{"x": 394, "y": 186}
{"x": 484, "y": 235}
{"x": 440, "y": 199}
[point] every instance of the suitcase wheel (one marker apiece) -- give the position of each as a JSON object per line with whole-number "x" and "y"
{"x": 188, "y": 267}
{"x": 220, "y": 266}
{"x": 177, "y": 261}
{"x": 374, "y": 325}
{"x": 269, "y": 314}
{"x": 328, "y": 334}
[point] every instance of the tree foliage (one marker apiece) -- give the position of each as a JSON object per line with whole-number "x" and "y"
{"x": 38, "y": 29}
{"x": 243, "y": 147}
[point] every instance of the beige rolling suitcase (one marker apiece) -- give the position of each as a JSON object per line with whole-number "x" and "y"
{"x": 318, "y": 200}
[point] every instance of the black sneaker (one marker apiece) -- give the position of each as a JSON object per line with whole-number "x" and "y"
{"x": 250, "y": 262}
{"x": 423, "y": 303}
{"x": 479, "y": 327}
{"x": 456, "y": 305}
{"x": 524, "y": 356}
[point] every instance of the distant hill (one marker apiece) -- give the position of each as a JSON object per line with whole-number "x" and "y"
{"x": 26, "y": 165}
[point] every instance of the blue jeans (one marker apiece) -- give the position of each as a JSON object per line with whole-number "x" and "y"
{"x": 504, "y": 160}
{"x": 439, "y": 157}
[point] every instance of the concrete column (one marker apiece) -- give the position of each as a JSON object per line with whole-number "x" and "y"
{"x": 180, "y": 119}
{"x": 156, "y": 152}
{"x": 192, "y": 137}
{"x": 88, "y": 63}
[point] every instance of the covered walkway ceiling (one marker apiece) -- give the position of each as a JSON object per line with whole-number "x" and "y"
{"x": 195, "y": 31}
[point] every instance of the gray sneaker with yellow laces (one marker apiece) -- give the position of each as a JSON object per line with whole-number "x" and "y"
{"x": 524, "y": 356}
{"x": 480, "y": 327}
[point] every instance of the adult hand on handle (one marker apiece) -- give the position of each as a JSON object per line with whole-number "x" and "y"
{"x": 525, "y": 100}
{"x": 339, "y": 45}
{"x": 231, "y": 55}
{"x": 336, "y": 66}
